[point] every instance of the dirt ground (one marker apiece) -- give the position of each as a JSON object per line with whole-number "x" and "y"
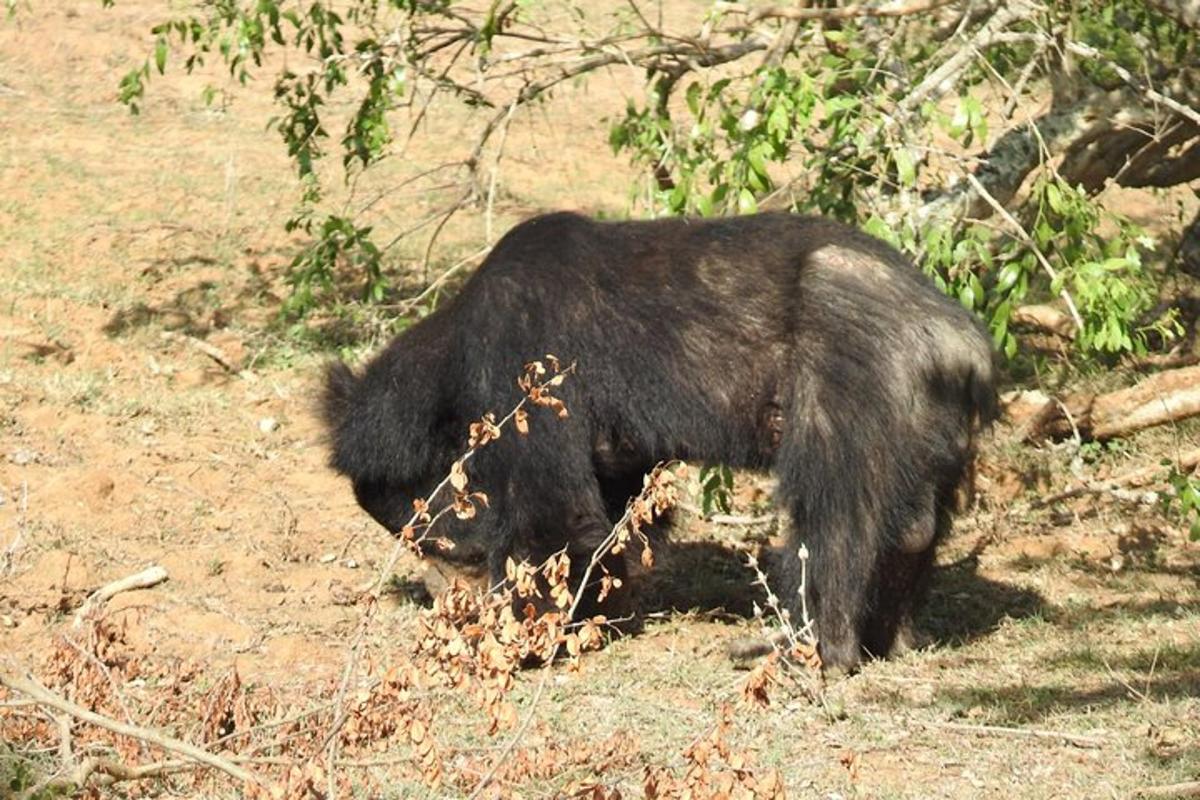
{"x": 1066, "y": 655}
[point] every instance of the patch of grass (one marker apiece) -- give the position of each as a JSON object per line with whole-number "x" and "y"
{"x": 20, "y": 772}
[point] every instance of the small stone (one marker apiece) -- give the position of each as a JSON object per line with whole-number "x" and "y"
{"x": 328, "y": 558}
{"x": 268, "y": 424}
{"x": 350, "y": 563}
{"x": 341, "y": 595}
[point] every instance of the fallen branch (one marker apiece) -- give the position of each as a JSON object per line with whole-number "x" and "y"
{"x": 29, "y": 686}
{"x": 1163, "y": 397}
{"x": 150, "y": 576}
{"x": 111, "y": 772}
{"x": 215, "y": 353}
{"x": 1075, "y": 739}
{"x": 1185, "y": 789}
{"x": 1138, "y": 477}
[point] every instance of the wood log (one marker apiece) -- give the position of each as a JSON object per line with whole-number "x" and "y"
{"x": 1162, "y": 397}
{"x": 1043, "y": 318}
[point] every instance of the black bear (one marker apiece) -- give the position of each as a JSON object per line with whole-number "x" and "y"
{"x": 771, "y": 341}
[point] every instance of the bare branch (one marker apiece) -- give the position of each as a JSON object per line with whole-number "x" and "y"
{"x": 858, "y": 11}
{"x": 150, "y": 576}
{"x": 1139, "y": 477}
{"x": 943, "y": 78}
{"x": 29, "y": 686}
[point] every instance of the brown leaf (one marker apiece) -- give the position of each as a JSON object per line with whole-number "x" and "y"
{"x": 458, "y": 475}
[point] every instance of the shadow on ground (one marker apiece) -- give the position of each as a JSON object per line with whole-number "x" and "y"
{"x": 1084, "y": 689}
{"x": 964, "y": 606}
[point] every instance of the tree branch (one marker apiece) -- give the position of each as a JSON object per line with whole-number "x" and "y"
{"x": 1089, "y": 52}
{"x": 1024, "y": 236}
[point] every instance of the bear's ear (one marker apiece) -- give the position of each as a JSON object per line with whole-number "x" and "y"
{"x": 341, "y": 384}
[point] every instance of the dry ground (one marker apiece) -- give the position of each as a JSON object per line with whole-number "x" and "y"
{"x": 120, "y": 447}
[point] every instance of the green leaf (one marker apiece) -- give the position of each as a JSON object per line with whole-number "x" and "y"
{"x": 1008, "y": 276}
{"x": 746, "y": 202}
{"x": 693, "y": 98}
{"x": 160, "y": 54}
{"x": 906, "y": 172}
{"x": 778, "y": 121}
{"x": 966, "y": 296}
{"x": 1054, "y": 198}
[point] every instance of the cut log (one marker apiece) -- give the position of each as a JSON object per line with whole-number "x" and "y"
{"x": 1163, "y": 397}
{"x": 1047, "y": 319}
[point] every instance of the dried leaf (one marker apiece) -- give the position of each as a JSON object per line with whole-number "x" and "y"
{"x": 458, "y": 475}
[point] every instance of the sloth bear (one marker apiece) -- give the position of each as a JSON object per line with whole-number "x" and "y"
{"x": 773, "y": 342}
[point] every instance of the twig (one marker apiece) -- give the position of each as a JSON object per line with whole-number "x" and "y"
{"x": 151, "y": 576}
{"x": 30, "y": 687}
{"x": 1025, "y": 238}
{"x": 939, "y": 80}
{"x": 412, "y": 302}
{"x": 330, "y": 745}
{"x": 743, "y": 519}
{"x": 215, "y": 353}
{"x": 116, "y": 687}
{"x": 495, "y": 176}
{"x": 437, "y": 230}
{"x": 1075, "y": 739}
